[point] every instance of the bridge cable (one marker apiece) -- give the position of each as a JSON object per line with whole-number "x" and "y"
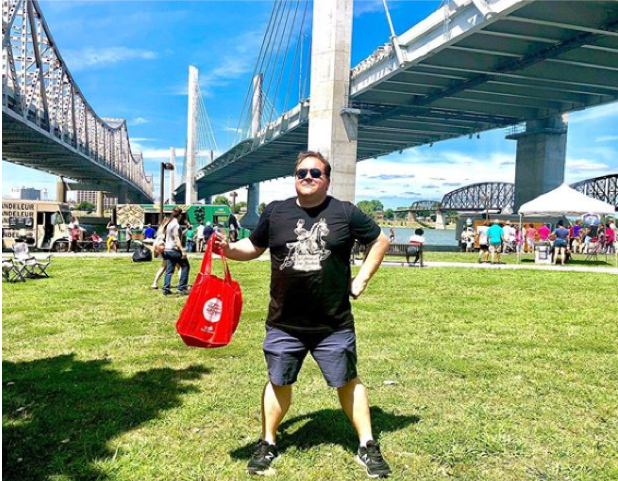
{"x": 258, "y": 66}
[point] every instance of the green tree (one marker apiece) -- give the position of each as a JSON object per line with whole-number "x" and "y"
{"x": 238, "y": 206}
{"x": 221, "y": 200}
{"x": 389, "y": 214}
{"x": 85, "y": 206}
{"x": 369, "y": 207}
{"x": 261, "y": 207}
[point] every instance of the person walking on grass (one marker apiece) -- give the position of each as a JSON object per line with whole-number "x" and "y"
{"x": 174, "y": 254}
{"x": 481, "y": 235}
{"x": 310, "y": 238}
{"x": 495, "y": 234}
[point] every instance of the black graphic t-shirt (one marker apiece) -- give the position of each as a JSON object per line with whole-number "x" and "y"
{"x": 310, "y": 262}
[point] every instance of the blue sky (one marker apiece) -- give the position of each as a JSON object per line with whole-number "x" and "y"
{"x": 131, "y": 59}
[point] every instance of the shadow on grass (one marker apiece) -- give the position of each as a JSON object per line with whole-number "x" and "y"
{"x": 328, "y": 426}
{"x": 579, "y": 262}
{"x": 59, "y": 413}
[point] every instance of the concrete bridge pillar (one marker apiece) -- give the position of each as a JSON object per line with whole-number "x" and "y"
{"x": 61, "y": 191}
{"x": 100, "y": 203}
{"x": 440, "y": 220}
{"x": 250, "y": 219}
{"x": 411, "y": 216}
{"x": 190, "y": 185}
{"x": 123, "y": 194}
{"x": 541, "y": 156}
{"x": 330, "y": 87}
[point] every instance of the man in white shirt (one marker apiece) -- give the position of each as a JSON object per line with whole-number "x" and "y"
{"x": 199, "y": 235}
{"x": 509, "y": 237}
{"x": 481, "y": 235}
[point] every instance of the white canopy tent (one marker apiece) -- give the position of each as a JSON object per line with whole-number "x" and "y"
{"x": 564, "y": 201}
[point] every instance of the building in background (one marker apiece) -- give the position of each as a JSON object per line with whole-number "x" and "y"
{"x": 79, "y": 196}
{"x": 28, "y": 193}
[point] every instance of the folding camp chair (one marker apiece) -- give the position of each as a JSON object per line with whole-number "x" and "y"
{"x": 39, "y": 269}
{"x": 32, "y": 267}
{"x": 595, "y": 247}
{"x": 11, "y": 272}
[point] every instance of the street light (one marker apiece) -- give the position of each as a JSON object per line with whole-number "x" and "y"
{"x": 164, "y": 166}
{"x": 233, "y": 195}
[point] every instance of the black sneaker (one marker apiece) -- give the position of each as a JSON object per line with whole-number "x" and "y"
{"x": 371, "y": 458}
{"x": 263, "y": 456}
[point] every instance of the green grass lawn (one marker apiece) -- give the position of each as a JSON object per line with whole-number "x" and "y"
{"x": 498, "y": 375}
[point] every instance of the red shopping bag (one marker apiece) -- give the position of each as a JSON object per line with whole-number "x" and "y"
{"x": 210, "y": 316}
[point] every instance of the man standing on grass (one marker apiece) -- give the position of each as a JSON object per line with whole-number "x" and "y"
{"x": 495, "y": 234}
{"x": 310, "y": 238}
{"x": 174, "y": 254}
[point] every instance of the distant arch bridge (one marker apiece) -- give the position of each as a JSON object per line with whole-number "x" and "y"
{"x": 494, "y": 196}
{"x": 499, "y": 196}
{"x": 604, "y": 188}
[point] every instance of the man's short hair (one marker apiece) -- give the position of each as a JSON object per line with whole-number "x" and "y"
{"x": 317, "y": 155}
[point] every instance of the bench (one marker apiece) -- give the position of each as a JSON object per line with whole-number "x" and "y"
{"x": 396, "y": 250}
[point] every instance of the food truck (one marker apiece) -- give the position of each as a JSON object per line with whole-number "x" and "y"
{"x": 140, "y": 215}
{"x": 42, "y": 223}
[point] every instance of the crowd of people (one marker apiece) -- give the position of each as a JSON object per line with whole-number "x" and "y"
{"x": 499, "y": 237}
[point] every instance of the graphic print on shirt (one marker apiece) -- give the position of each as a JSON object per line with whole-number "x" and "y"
{"x": 309, "y": 250}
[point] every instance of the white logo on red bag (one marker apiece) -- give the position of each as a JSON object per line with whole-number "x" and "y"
{"x": 212, "y": 309}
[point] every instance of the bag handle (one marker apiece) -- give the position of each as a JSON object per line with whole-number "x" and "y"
{"x": 206, "y": 267}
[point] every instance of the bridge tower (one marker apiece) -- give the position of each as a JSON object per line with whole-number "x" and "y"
{"x": 330, "y": 86}
{"x": 540, "y": 158}
{"x": 190, "y": 186}
{"x": 250, "y": 219}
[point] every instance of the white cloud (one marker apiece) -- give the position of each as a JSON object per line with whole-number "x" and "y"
{"x": 371, "y": 6}
{"x": 607, "y": 138}
{"x": 423, "y": 166}
{"x": 234, "y": 63}
{"x": 138, "y": 121}
{"x": 585, "y": 165}
{"x": 90, "y": 57}
{"x": 594, "y": 113}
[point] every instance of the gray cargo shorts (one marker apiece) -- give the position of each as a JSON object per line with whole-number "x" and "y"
{"x": 335, "y": 354}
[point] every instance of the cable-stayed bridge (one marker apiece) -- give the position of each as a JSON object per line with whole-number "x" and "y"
{"x": 47, "y": 123}
{"x": 472, "y": 66}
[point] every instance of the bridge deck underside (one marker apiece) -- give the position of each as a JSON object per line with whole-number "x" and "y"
{"x": 276, "y": 159}
{"x": 537, "y": 62}
{"x": 35, "y": 148}
{"x": 540, "y": 60}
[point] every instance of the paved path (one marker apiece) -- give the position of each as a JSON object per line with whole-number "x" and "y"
{"x": 386, "y": 263}
{"x": 571, "y": 268}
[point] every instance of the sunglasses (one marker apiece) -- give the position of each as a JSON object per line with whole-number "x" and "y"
{"x": 302, "y": 173}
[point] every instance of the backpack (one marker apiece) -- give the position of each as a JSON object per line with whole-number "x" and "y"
{"x": 142, "y": 254}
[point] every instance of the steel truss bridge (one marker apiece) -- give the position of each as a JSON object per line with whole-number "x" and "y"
{"x": 472, "y": 66}
{"x": 421, "y": 206}
{"x": 494, "y": 196}
{"x": 47, "y": 123}
{"x": 604, "y": 188}
{"x": 499, "y": 196}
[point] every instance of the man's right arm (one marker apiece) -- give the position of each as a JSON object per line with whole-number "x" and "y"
{"x": 243, "y": 250}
